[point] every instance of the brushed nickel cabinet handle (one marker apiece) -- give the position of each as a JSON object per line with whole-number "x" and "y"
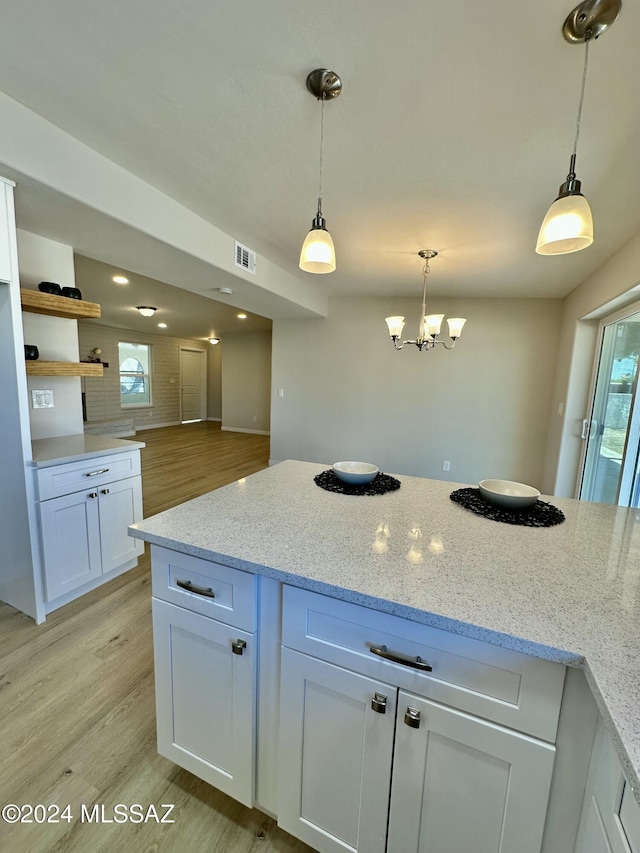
{"x": 104, "y": 491}
{"x": 199, "y": 590}
{"x": 379, "y": 703}
{"x": 95, "y": 473}
{"x": 415, "y": 663}
{"x": 238, "y": 646}
{"x": 412, "y": 717}
{"x": 92, "y": 495}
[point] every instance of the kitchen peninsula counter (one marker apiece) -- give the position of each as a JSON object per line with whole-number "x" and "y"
{"x": 568, "y": 593}
{"x": 74, "y": 448}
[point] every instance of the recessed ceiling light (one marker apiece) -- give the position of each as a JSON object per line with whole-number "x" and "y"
{"x": 146, "y": 310}
{"x": 242, "y": 316}
{"x": 162, "y": 325}
{"x": 120, "y": 279}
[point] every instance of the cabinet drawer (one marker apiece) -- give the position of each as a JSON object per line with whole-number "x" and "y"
{"x": 511, "y": 688}
{"x": 70, "y": 477}
{"x": 232, "y": 597}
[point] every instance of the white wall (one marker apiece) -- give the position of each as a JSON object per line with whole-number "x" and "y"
{"x": 246, "y": 382}
{"x": 41, "y": 259}
{"x": 615, "y": 284}
{"x": 484, "y": 406}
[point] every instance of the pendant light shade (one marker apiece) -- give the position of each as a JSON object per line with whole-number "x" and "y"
{"x": 318, "y": 254}
{"x": 567, "y": 227}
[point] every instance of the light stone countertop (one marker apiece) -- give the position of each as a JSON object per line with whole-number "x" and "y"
{"x": 569, "y": 593}
{"x": 73, "y": 448}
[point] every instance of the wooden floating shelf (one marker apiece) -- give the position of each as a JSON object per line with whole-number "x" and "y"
{"x": 36, "y": 302}
{"x": 63, "y": 368}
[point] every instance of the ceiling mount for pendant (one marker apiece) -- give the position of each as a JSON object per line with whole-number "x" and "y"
{"x": 427, "y": 254}
{"x": 590, "y": 19}
{"x": 324, "y": 84}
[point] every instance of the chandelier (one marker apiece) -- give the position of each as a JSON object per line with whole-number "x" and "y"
{"x": 429, "y": 324}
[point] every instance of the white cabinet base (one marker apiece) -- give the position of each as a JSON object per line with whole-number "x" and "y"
{"x": 205, "y": 698}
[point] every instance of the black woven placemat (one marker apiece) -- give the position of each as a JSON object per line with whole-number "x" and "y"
{"x": 380, "y": 485}
{"x": 539, "y": 514}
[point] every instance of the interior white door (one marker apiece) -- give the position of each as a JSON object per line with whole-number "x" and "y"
{"x": 192, "y": 384}
{"x": 464, "y": 785}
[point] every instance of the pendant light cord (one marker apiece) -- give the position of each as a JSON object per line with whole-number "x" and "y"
{"x": 584, "y": 80}
{"x": 321, "y": 147}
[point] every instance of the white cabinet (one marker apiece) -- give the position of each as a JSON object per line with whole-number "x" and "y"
{"x": 205, "y": 667}
{"x": 464, "y": 785}
{"x": 458, "y": 783}
{"x": 336, "y": 745}
{"x": 83, "y": 531}
{"x": 610, "y": 815}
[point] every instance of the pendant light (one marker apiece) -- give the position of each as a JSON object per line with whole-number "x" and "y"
{"x": 568, "y": 225}
{"x": 429, "y": 324}
{"x": 318, "y": 254}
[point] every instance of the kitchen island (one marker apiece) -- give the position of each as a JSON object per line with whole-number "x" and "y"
{"x": 566, "y": 594}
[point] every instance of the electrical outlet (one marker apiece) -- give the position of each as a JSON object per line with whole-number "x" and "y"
{"x": 446, "y": 465}
{"x": 42, "y": 399}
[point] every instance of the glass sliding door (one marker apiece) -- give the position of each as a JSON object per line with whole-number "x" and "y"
{"x": 611, "y": 464}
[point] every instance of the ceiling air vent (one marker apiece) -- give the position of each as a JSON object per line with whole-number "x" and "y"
{"x": 245, "y": 258}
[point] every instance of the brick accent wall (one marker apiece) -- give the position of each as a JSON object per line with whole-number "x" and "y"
{"x": 103, "y": 394}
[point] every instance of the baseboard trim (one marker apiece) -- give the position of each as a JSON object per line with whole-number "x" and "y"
{"x": 241, "y": 429}
{"x": 157, "y": 426}
{"x": 214, "y": 419}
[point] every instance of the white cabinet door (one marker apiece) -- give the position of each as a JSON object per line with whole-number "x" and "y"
{"x": 464, "y": 785}
{"x": 120, "y": 505}
{"x": 335, "y": 756}
{"x": 205, "y": 698}
{"x": 594, "y": 838}
{"x": 70, "y": 542}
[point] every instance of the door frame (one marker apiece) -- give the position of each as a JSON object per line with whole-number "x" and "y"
{"x": 203, "y": 382}
{"x": 633, "y": 432}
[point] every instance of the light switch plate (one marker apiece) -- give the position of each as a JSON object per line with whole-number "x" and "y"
{"x": 42, "y": 399}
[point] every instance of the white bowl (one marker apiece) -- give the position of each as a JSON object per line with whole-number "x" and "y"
{"x": 355, "y": 473}
{"x": 508, "y": 494}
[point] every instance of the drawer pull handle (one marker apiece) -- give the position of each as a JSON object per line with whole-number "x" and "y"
{"x": 199, "y": 590}
{"x": 237, "y": 646}
{"x": 412, "y": 717}
{"x": 379, "y": 703}
{"x": 415, "y": 663}
{"x": 95, "y": 473}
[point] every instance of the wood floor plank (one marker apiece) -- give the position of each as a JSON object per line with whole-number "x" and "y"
{"x": 77, "y": 705}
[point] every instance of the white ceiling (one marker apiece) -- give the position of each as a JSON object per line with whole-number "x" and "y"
{"x": 187, "y": 315}
{"x": 453, "y": 132}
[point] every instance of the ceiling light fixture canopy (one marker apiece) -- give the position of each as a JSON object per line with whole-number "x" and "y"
{"x": 429, "y": 324}
{"x": 568, "y": 225}
{"x": 146, "y": 310}
{"x": 214, "y": 341}
{"x": 318, "y": 254}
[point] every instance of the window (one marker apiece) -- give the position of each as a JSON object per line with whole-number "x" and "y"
{"x": 135, "y": 374}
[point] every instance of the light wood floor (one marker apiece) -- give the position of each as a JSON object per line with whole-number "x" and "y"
{"x": 77, "y": 718}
